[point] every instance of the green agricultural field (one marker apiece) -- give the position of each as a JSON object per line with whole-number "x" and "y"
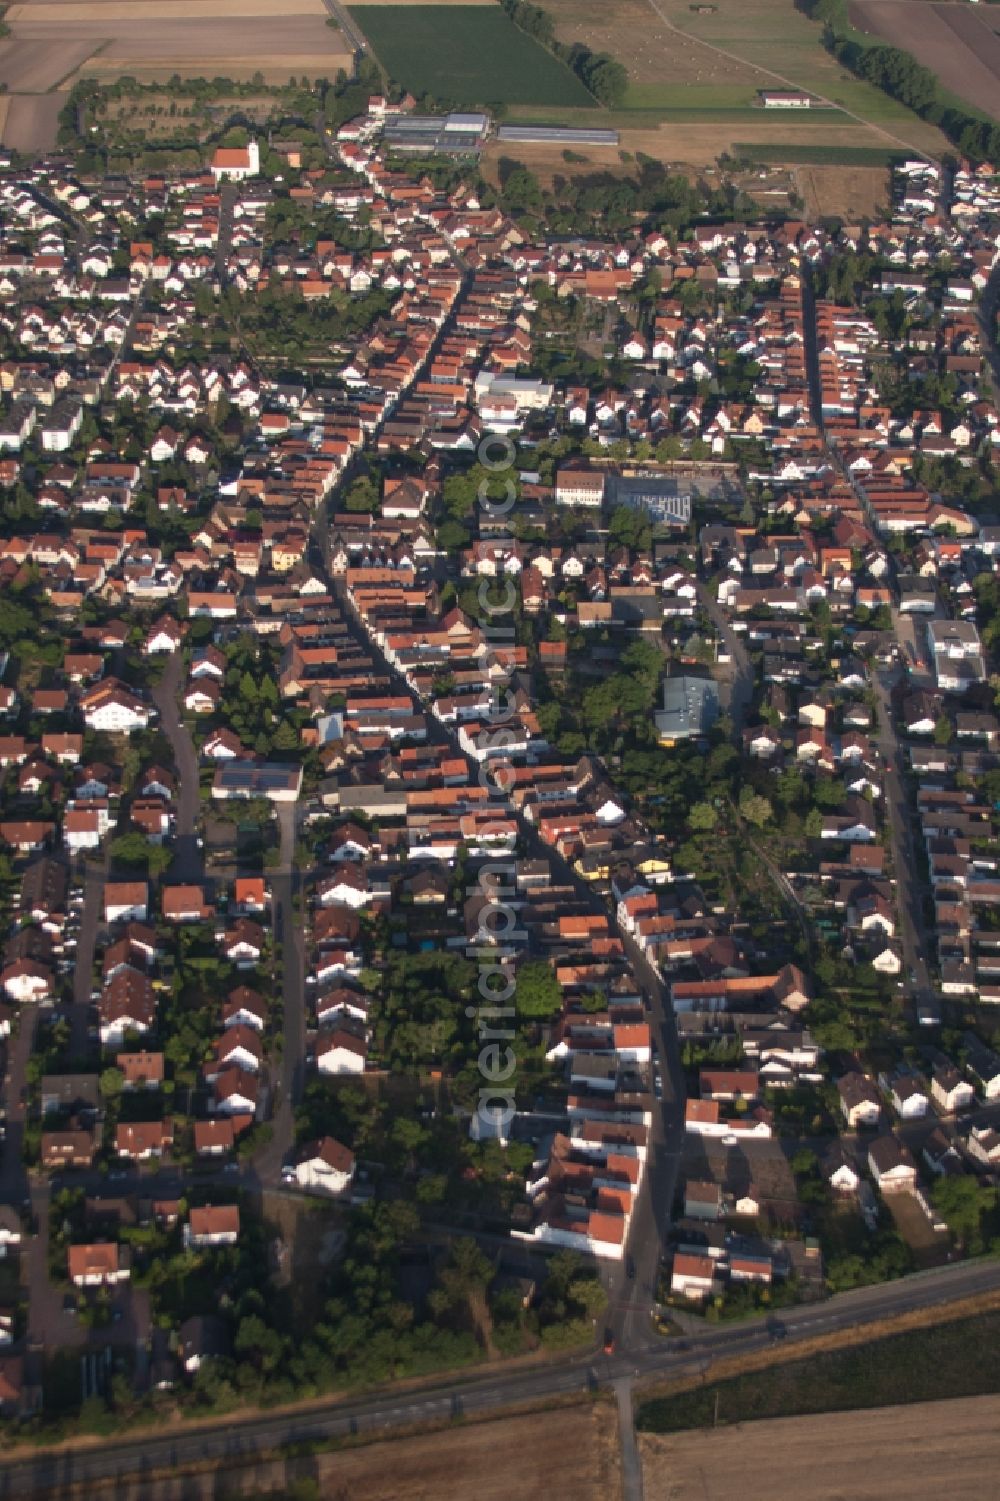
{"x": 959, "y": 1359}
{"x": 471, "y": 54}
{"x": 817, "y": 156}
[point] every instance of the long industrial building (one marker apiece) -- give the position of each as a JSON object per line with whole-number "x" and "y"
{"x": 557, "y": 135}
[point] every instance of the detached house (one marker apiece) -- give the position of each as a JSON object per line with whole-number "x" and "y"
{"x": 325, "y": 1166}
{"x": 891, "y": 1165}
{"x": 859, "y": 1100}
{"x": 341, "y": 1052}
{"x": 213, "y": 1225}
{"x": 97, "y": 1265}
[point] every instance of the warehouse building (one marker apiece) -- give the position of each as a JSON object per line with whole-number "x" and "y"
{"x": 690, "y": 708}
{"x": 557, "y": 135}
{"x": 437, "y": 135}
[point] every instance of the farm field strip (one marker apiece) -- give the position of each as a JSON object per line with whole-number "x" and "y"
{"x": 30, "y": 121}
{"x": 108, "y": 66}
{"x": 149, "y": 12}
{"x": 30, "y": 66}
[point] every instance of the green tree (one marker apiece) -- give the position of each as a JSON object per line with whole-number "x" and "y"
{"x": 755, "y": 808}
{"x": 964, "y": 1206}
{"x": 111, "y": 1083}
{"x": 703, "y": 817}
{"x": 537, "y": 993}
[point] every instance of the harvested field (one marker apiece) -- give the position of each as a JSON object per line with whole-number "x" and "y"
{"x": 546, "y": 160}
{"x": 851, "y": 192}
{"x": 951, "y": 40}
{"x": 30, "y": 121}
{"x": 653, "y": 54}
{"x": 471, "y": 54}
{"x": 490, "y": 1461}
{"x": 35, "y": 65}
{"x": 885, "y": 1454}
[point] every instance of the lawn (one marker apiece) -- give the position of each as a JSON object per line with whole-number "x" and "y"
{"x": 470, "y": 54}
{"x": 960, "y": 1359}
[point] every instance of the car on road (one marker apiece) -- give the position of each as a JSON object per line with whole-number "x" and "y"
{"x": 609, "y": 1341}
{"x": 288, "y": 1175}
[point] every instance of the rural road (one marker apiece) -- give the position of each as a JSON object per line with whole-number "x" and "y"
{"x": 354, "y": 36}
{"x": 51, "y": 1474}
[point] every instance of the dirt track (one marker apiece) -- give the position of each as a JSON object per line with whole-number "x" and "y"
{"x": 922, "y": 1453}
{"x": 951, "y": 40}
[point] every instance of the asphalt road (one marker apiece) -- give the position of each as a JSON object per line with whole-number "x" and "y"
{"x": 287, "y": 930}
{"x": 242, "y": 1439}
{"x": 989, "y": 304}
{"x": 909, "y": 890}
